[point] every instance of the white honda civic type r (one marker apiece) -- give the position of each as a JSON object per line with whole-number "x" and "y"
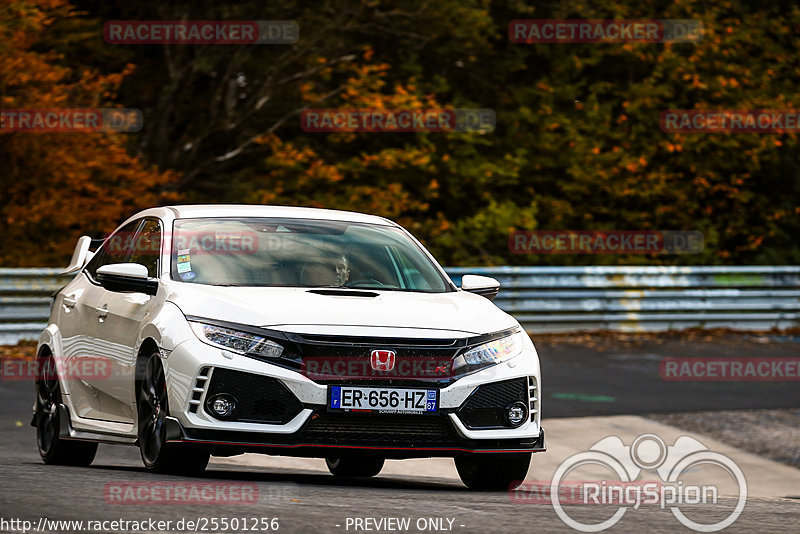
{"x": 198, "y": 331}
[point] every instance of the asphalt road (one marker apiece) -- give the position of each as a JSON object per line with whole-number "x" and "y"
{"x": 609, "y": 377}
{"x": 576, "y": 382}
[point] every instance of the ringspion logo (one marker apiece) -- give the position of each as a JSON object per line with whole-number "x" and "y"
{"x": 649, "y": 454}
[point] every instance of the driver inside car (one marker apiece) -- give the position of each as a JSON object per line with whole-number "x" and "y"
{"x": 320, "y": 274}
{"x": 342, "y": 270}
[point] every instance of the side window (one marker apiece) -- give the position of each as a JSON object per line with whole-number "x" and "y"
{"x": 147, "y": 247}
{"x": 115, "y": 249}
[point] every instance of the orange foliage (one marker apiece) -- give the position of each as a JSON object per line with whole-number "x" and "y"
{"x": 57, "y": 186}
{"x": 375, "y": 180}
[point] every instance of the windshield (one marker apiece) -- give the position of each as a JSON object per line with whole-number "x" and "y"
{"x": 300, "y": 253}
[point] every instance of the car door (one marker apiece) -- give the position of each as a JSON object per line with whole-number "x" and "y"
{"x": 120, "y": 316}
{"x": 76, "y": 315}
{"x": 78, "y": 324}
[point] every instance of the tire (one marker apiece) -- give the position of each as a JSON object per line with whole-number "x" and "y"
{"x": 352, "y": 466}
{"x": 53, "y": 449}
{"x": 152, "y": 406}
{"x": 493, "y": 471}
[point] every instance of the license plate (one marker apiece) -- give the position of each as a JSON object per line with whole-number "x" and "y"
{"x": 383, "y": 400}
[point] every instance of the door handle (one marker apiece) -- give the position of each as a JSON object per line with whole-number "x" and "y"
{"x": 102, "y": 313}
{"x": 70, "y": 301}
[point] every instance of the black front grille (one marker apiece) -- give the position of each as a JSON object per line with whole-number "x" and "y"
{"x": 362, "y": 429}
{"x": 423, "y": 362}
{"x": 486, "y": 407}
{"x": 259, "y": 399}
{"x": 327, "y": 359}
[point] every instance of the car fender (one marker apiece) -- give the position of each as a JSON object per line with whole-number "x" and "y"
{"x": 168, "y": 328}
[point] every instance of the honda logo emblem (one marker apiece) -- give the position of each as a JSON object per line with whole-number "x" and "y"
{"x": 382, "y": 360}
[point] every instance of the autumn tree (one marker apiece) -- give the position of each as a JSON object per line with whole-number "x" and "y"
{"x": 57, "y": 186}
{"x": 577, "y": 145}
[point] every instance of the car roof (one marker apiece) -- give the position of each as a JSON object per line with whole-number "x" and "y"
{"x": 193, "y": 211}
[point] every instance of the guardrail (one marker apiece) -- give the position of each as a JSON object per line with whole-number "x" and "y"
{"x": 25, "y": 301}
{"x": 545, "y": 299}
{"x": 636, "y": 299}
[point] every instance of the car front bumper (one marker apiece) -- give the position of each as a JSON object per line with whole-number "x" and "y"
{"x": 304, "y": 426}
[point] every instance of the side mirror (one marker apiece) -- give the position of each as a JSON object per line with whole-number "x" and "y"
{"x": 480, "y": 285}
{"x": 126, "y": 278}
{"x": 81, "y": 255}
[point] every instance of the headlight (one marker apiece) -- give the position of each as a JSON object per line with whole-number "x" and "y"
{"x": 492, "y": 352}
{"x": 237, "y": 341}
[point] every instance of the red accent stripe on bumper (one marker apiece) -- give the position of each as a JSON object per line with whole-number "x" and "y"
{"x": 312, "y": 445}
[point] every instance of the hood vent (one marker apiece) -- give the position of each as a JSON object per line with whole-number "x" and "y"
{"x": 343, "y": 293}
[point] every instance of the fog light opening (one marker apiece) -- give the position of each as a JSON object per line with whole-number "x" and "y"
{"x": 516, "y": 413}
{"x": 222, "y": 405}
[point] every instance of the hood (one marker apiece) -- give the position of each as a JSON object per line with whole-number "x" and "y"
{"x": 388, "y": 313}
